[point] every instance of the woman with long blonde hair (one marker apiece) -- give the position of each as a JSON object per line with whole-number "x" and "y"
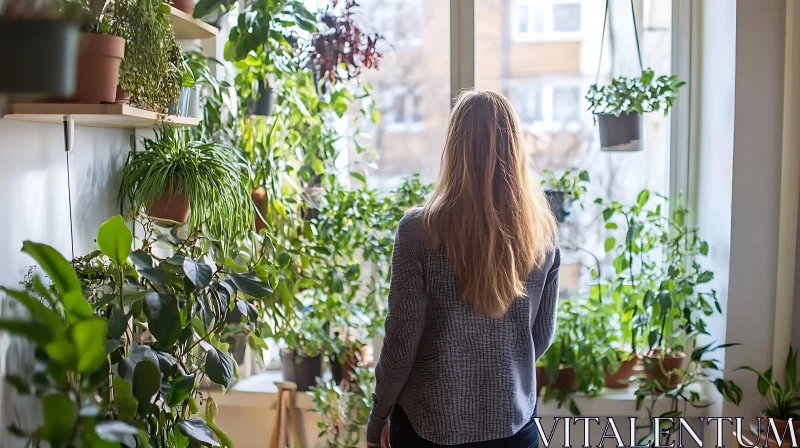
{"x": 472, "y": 302}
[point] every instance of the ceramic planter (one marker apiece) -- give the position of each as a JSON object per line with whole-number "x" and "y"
{"x": 98, "y": 68}
{"x": 780, "y": 425}
{"x": 265, "y": 102}
{"x": 258, "y": 195}
{"x": 38, "y": 57}
{"x": 620, "y": 133}
{"x": 661, "y": 367}
{"x": 566, "y": 380}
{"x": 559, "y": 203}
{"x": 186, "y": 6}
{"x": 171, "y": 207}
{"x": 621, "y": 378}
{"x": 301, "y": 370}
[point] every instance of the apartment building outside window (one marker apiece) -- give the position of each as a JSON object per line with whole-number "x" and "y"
{"x": 547, "y": 20}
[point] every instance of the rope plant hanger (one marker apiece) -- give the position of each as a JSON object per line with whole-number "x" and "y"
{"x": 618, "y": 106}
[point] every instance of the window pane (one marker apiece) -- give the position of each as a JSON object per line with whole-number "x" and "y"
{"x": 411, "y": 88}
{"x": 523, "y": 18}
{"x": 545, "y": 79}
{"x": 566, "y": 17}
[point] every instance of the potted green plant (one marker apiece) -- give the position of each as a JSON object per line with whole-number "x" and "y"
{"x": 149, "y": 72}
{"x": 782, "y": 401}
{"x": 39, "y": 52}
{"x": 101, "y": 51}
{"x": 617, "y": 107}
{"x": 344, "y": 409}
{"x": 301, "y": 360}
{"x": 564, "y": 191}
{"x": 177, "y": 179}
{"x": 118, "y": 361}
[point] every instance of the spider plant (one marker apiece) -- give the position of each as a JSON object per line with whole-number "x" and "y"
{"x": 208, "y": 174}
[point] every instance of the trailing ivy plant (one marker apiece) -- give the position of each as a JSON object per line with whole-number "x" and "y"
{"x": 150, "y": 70}
{"x": 121, "y": 365}
{"x": 211, "y": 175}
{"x": 646, "y": 93}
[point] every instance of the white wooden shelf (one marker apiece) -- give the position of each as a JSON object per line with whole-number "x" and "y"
{"x": 95, "y": 115}
{"x": 187, "y": 27}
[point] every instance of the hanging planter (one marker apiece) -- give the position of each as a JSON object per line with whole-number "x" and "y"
{"x": 618, "y": 106}
{"x": 171, "y": 206}
{"x": 264, "y": 101}
{"x": 38, "y": 57}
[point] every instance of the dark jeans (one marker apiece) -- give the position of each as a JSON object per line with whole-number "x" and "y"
{"x": 402, "y": 435}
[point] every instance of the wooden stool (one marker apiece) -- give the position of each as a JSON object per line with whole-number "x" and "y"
{"x": 286, "y": 418}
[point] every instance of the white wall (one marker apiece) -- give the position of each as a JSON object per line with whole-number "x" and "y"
{"x": 739, "y": 172}
{"x": 34, "y": 204}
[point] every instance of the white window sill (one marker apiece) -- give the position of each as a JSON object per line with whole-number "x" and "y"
{"x": 259, "y": 391}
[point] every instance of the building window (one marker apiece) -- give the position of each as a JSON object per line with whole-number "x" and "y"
{"x": 553, "y": 20}
{"x": 402, "y": 110}
{"x": 548, "y": 105}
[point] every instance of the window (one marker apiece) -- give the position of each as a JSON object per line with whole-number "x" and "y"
{"x": 551, "y": 20}
{"x": 400, "y": 22}
{"x": 546, "y": 85}
{"x": 402, "y": 110}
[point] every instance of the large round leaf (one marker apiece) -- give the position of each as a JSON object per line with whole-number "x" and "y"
{"x": 198, "y": 431}
{"x": 146, "y": 382}
{"x": 180, "y": 390}
{"x": 197, "y": 272}
{"x": 60, "y": 415}
{"x": 163, "y": 317}
{"x": 89, "y": 338}
{"x": 115, "y": 239}
{"x": 219, "y": 367}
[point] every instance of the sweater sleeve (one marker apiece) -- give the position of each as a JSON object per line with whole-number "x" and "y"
{"x": 404, "y": 326}
{"x": 544, "y": 324}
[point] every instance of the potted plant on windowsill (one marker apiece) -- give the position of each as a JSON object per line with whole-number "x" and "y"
{"x": 618, "y": 107}
{"x": 39, "y": 52}
{"x": 301, "y": 361}
{"x": 782, "y": 401}
{"x": 562, "y": 192}
{"x": 177, "y": 179}
{"x": 100, "y": 54}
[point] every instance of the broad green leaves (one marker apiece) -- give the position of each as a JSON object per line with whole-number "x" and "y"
{"x": 180, "y": 390}
{"x": 251, "y": 285}
{"x": 197, "y": 272}
{"x": 54, "y": 265}
{"x": 88, "y": 336}
{"x": 60, "y": 415}
{"x": 146, "y": 382}
{"x": 198, "y": 431}
{"x": 219, "y": 367}
{"x": 115, "y": 240}
{"x": 163, "y": 316}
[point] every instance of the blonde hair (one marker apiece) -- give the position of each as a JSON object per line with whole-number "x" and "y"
{"x": 495, "y": 225}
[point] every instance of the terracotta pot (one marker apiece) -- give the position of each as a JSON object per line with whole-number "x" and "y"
{"x": 620, "y": 378}
{"x": 98, "y": 68}
{"x": 780, "y": 425}
{"x": 344, "y": 372}
{"x": 541, "y": 379}
{"x": 660, "y": 367}
{"x": 186, "y": 6}
{"x": 172, "y": 207}
{"x": 258, "y": 195}
{"x": 566, "y": 380}
{"x": 123, "y": 97}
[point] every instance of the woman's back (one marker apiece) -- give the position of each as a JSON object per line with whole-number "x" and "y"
{"x": 473, "y": 292}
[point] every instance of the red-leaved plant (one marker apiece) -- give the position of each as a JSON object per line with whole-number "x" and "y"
{"x": 343, "y": 49}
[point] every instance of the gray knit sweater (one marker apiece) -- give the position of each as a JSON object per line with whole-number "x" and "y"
{"x": 459, "y": 376}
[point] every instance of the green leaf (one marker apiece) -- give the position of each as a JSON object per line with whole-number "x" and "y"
{"x": 60, "y": 416}
{"x": 111, "y": 345}
{"x": 641, "y": 200}
{"x": 36, "y": 332}
{"x": 198, "y": 431}
{"x": 358, "y": 176}
{"x": 163, "y": 317}
{"x": 704, "y": 248}
{"x": 117, "y": 325}
{"x": 251, "y": 285}
{"x": 375, "y": 115}
{"x": 141, "y": 259}
{"x": 146, "y": 382}
{"x": 219, "y": 367}
{"x": 54, "y": 265}
{"x": 116, "y": 431}
{"x": 610, "y": 243}
{"x": 115, "y": 240}
{"x": 222, "y": 436}
{"x": 705, "y": 277}
{"x": 62, "y": 352}
{"x": 89, "y": 338}
{"x": 126, "y": 402}
{"x": 76, "y": 306}
{"x": 180, "y": 390}
{"x": 608, "y": 213}
{"x": 38, "y": 311}
{"x": 665, "y": 299}
{"x": 652, "y": 338}
{"x": 20, "y": 384}
{"x": 318, "y": 166}
{"x": 156, "y": 275}
{"x": 197, "y": 273}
